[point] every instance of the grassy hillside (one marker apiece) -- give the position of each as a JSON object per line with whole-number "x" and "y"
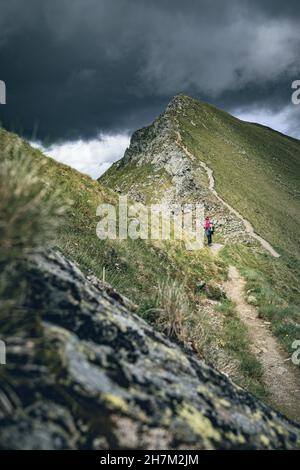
{"x": 134, "y": 267}
{"x": 139, "y": 177}
{"x": 256, "y": 170}
{"x": 163, "y": 278}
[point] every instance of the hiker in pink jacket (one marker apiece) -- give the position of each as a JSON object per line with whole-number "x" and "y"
{"x": 209, "y": 230}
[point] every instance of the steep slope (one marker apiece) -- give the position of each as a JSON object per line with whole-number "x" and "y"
{"x": 147, "y": 273}
{"x": 82, "y": 371}
{"x": 280, "y": 376}
{"x": 247, "y": 177}
{"x": 169, "y": 284}
{"x": 193, "y": 152}
{"x": 86, "y": 373}
{"x": 256, "y": 169}
{"x": 136, "y": 275}
{"x": 247, "y": 225}
{"x": 174, "y": 289}
{"x": 157, "y": 168}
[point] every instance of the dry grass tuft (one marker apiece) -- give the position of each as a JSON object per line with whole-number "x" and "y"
{"x": 174, "y": 310}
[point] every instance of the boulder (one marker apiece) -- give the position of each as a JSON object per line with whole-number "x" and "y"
{"x": 84, "y": 372}
{"x": 252, "y": 300}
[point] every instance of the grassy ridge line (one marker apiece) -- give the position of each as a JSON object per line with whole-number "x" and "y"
{"x": 134, "y": 266}
{"x": 246, "y": 223}
{"x": 138, "y": 268}
{"x": 256, "y": 170}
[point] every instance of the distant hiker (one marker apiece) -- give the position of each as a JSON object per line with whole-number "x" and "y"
{"x": 209, "y": 230}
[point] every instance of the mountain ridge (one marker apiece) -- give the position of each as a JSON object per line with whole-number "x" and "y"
{"x": 246, "y": 176}
{"x": 152, "y": 274}
{"x": 144, "y": 149}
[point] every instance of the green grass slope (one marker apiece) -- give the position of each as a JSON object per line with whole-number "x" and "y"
{"x": 135, "y": 267}
{"x": 161, "y": 277}
{"x": 257, "y": 170}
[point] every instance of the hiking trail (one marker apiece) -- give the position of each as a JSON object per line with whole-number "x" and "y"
{"x": 215, "y": 248}
{"x": 211, "y": 180}
{"x": 279, "y": 375}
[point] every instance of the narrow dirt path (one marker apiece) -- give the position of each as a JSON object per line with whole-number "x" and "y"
{"x": 215, "y": 248}
{"x": 211, "y": 180}
{"x": 279, "y": 375}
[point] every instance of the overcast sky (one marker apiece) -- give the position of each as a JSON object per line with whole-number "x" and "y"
{"x": 81, "y": 75}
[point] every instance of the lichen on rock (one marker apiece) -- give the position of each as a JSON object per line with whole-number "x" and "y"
{"x": 93, "y": 375}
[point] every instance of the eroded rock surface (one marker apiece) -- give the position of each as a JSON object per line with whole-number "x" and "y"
{"x": 158, "y": 147}
{"x": 84, "y": 372}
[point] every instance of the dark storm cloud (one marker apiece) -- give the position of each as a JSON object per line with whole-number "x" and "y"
{"x": 74, "y": 68}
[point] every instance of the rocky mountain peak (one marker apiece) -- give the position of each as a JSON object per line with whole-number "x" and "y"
{"x": 158, "y": 154}
{"x": 178, "y": 103}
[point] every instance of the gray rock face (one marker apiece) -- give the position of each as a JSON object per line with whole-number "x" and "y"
{"x": 158, "y": 145}
{"x": 84, "y": 372}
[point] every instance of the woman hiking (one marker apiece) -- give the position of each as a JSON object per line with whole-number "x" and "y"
{"x": 209, "y": 230}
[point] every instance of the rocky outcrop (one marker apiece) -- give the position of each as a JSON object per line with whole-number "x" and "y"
{"x": 85, "y": 372}
{"x": 159, "y": 145}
